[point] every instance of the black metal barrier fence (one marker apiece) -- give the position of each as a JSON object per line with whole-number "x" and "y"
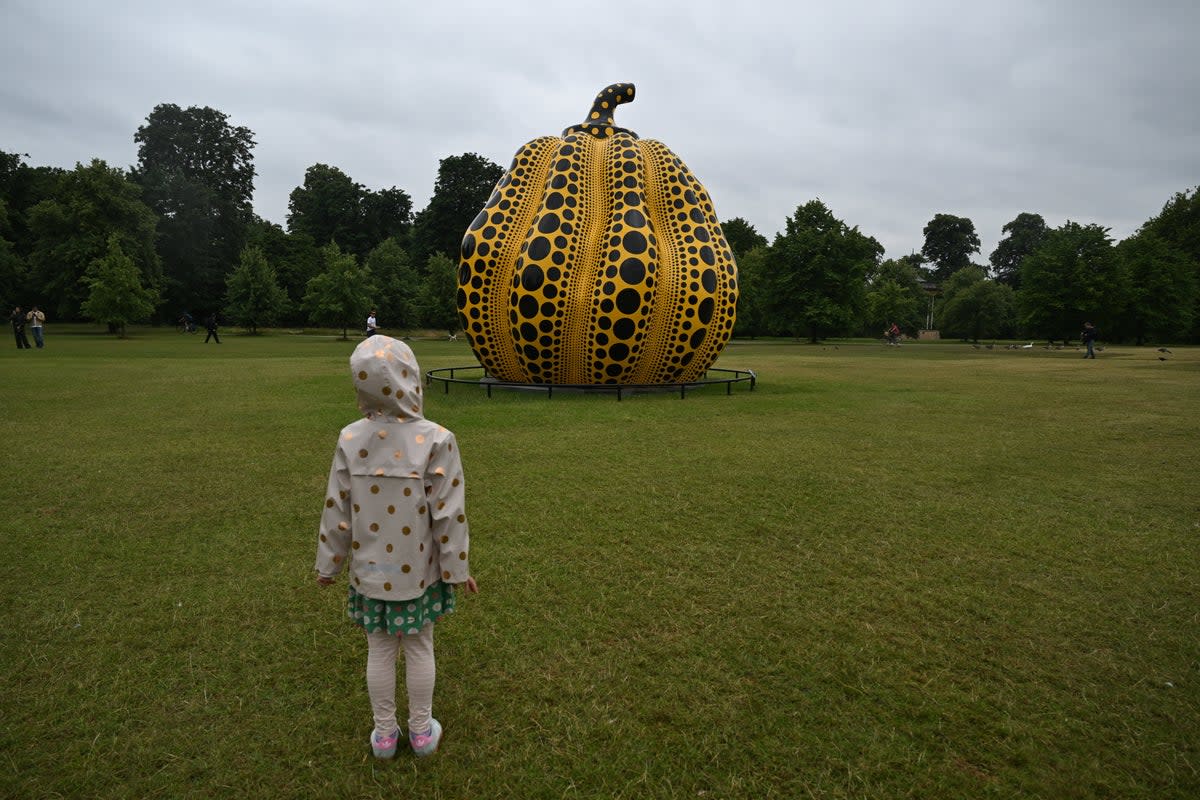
{"x": 449, "y": 375}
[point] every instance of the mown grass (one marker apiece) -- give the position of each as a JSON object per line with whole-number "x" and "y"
{"x": 919, "y": 572}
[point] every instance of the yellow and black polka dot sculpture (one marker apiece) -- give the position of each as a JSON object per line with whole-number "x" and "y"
{"x": 598, "y": 259}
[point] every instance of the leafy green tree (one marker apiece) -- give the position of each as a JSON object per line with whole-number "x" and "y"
{"x": 816, "y": 272}
{"x": 341, "y": 293}
{"x": 949, "y": 243}
{"x": 1178, "y": 224}
{"x": 438, "y": 301}
{"x": 464, "y": 184}
{"x": 742, "y": 237}
{"x": 387, "y": 214}
{"x": 894, "y": 294}
{"x": 21, "y": 188}
{"x": 12, "y": 266}
{"x": 295, "y": 258}
{"x": 1024, "y": 234}
{"x": 1072, "y": 277}
{"x": 974, "y": 307}
{"x": 72, "y": 230}
{"x": 116, "y": 295}
{"x": 1161, "y": 299}
{"x": 253, "y": 296}
{"x": 12, "y": 275}
{"x": 751, "y": 317}
{"x": 330, "y": 207}
{"x": 197, "y": 173}
{"x": 397, "y": 283}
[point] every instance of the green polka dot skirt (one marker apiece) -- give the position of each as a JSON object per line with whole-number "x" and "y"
{"x": 400, "y": 616}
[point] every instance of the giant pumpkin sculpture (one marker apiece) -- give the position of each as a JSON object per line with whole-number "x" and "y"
{"x": 598, "y": 259}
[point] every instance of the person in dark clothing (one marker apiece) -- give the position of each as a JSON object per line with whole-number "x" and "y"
{"x": 211, "y": 324}
{"x": 18, "y": 325}
{"x": 1089, "y": 337}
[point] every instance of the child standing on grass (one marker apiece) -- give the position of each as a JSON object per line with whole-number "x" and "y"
{"x": 395, "y": 508}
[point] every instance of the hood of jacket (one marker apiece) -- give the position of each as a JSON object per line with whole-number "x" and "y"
{"x": 387, "y": 379}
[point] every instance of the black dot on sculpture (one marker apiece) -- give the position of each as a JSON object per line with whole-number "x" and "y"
{"x": 697, "y": 338}
{"x": 706, "y": 310}
{"x": 539, "y": 248}
{"x": 634, "y": 218}
{"x": 618, "y": 352}
{"x": 635, "y": 242}
{"x": 623, "y": 328}
{"x": 468, "y": 246}
{"x": 528, "y": 306}
{"x": 548, "y": 223}
{"x": 708, "y": 278}
{"x": 628, "y": 301}
{"x": 532, "y": 278}
{"x": 633, "y": 271}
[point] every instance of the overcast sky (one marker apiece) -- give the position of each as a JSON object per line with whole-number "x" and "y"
{"x": 889, "y": 112}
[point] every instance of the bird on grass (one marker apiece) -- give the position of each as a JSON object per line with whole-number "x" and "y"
{"x": 1162, "y": 358}
{"x": 1027, "y": 346}
{"x": 1163, "y": 350}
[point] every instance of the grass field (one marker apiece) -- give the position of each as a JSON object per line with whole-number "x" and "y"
{"x": 928, "y": 571}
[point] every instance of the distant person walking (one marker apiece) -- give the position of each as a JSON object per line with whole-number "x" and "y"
{"x": 36, "y": 321}
{"x": 372, "y": 328}
{"x": 210, "y": 323}
{"x": 18, "y": 325}
{"x": 1089, "y": 338}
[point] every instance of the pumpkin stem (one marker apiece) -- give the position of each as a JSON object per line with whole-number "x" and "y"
{"x": 600, "y": 119}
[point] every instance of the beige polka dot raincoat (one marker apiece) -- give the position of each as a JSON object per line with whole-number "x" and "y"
{"x": 395, "y": 505}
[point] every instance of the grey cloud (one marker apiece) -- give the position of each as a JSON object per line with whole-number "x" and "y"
{"x": 889, "y": 112}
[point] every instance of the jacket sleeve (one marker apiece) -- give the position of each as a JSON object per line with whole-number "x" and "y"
{"x": 448, "y": 511}
{"x": 333, "y": 541}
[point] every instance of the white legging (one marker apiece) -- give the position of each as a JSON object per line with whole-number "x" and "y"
{"x": 419, "y": 675}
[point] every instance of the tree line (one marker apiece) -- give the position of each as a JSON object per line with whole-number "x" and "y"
{"x": 821, "y": 277}
{"x": 176, "y": 233}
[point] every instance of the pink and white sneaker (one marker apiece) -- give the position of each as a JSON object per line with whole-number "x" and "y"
{"x": 385, "y": 746}
{"x": 426, "y": 744}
